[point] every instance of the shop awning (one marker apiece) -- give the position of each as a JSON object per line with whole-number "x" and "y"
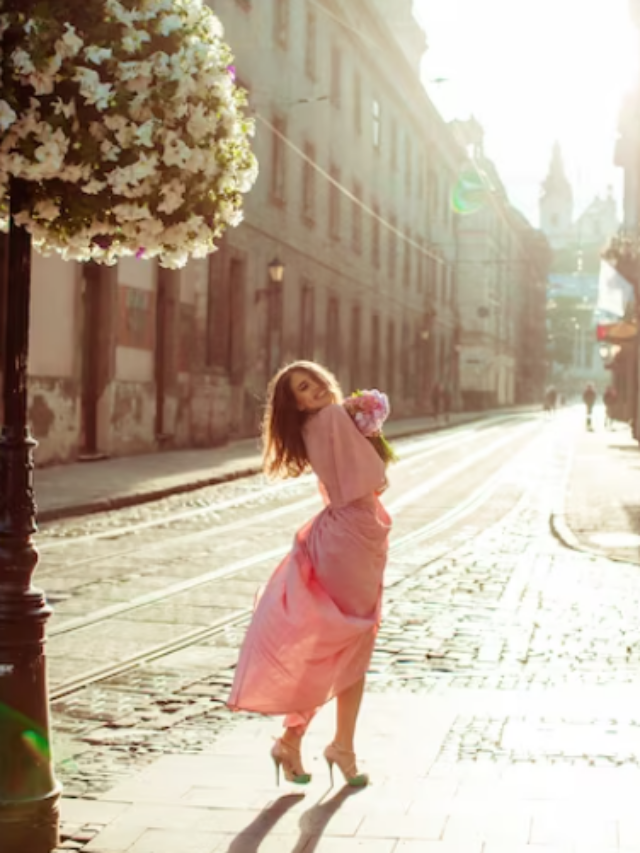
{"x": 617, "y": 333}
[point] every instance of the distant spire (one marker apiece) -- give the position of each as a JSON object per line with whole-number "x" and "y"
{"x": 556, "y": 182}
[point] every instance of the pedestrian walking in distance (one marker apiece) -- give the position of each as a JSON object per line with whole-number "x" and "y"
{"x": 550, "y": 400}
{"x": 609, "y": 399}
{"x": 589, "y": 399}
{"x": 315, "y": 624}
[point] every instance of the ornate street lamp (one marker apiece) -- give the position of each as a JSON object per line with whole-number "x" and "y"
{"x": 29, "y": 793}
{"x": 73, "y": 204}
{"x": 276, "y": 277}
{"x": 276, "y": 271}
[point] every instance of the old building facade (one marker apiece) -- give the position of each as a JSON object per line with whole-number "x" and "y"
{"x": 572, "y": 295}
{"x": 357, "y": 174}
{"x": 502, "y": 268}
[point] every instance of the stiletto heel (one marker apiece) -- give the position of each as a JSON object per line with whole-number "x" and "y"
{"x": 346, "y": 762}
{"x": 288, "y": 757}
{"x": 330, "y": 766}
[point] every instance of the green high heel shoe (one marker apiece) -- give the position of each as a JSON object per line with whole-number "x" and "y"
{"x": 288, "y": 757}
{"x": 346, "y": 762}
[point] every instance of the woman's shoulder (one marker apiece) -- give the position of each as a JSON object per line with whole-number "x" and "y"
{"x": 330, "y": 414}
{"x": 326, "y": 413}
{"x": 326, "y": 419}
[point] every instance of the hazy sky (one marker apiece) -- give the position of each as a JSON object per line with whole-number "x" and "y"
{"x": 533, "y": 71}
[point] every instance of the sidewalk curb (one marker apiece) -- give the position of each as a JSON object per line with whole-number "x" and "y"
{"x": 561, "y": 531}
{"x": 137, "y": 498}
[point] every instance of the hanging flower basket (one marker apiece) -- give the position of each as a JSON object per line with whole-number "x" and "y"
{"x": 124, "y": 120}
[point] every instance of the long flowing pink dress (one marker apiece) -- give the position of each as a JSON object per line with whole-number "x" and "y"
{"x": 314, "y": 627}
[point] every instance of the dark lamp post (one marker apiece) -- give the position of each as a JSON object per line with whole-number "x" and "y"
{"x": 29, "y": 793}
{"x": 276, "y": 271}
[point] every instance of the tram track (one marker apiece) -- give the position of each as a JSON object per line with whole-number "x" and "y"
{"x": 237, "y": 566}
{"x": 417, "y": 456}
{"x": 238, "y": 617}
{"x": 413, "y": 448}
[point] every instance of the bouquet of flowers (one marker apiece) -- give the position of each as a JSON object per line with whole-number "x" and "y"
{"x": 369, "y": 410}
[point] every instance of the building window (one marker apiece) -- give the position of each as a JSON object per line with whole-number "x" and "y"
{"x": 307, "y": 321}
{"x": 433, "y": 198}
{"x": 357, "y": 102}
{"x": 438, "y": 282}
{"x": 444, "y": 367}
{"x": 311, "y": 50}
{"x": 278, "y": 162}
{"x": 405, "y": 364}
{"x": 406, "y": 270}
{"x": 432, "y": 274}
{"x": 281, "y": 23}
{"x": 393, "y": 248}
{"x": 136, "y": 327}
{"x": 444, "y": 197}
{"x": 356, "y": 221}
{"x": 375, "y": 237}
{"x": 333, "y": 335}
{"x": 274, "y": 328}
{"x": 354, "y": 348}
{"x": 390, "y": 357}
{"x": 226, "y": 317}
{"x": 375, "y": 124}
{"x": 375, "y": 351}
{"x": 393, "y": 144}
{"x": 235, "y": 350}
{"x": 336, "y": 76}
{"x": 309, "y": 184}
{"x": 334, "y": 205}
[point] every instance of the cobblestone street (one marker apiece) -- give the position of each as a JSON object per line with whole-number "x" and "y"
{"x": 507, "y": 661}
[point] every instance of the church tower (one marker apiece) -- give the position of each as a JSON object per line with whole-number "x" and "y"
{"x": 556, "y": 203}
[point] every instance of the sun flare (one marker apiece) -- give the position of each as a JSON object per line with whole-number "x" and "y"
{"x": 534, "y": 73}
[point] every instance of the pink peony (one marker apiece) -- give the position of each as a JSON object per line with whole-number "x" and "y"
{"x": 369, "y": 410}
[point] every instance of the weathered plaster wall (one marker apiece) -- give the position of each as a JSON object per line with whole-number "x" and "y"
{"x": 54, "y": 415}
{"x": 132, "y": 417}
{"x": 133, "y": 399}
{"x": 54, "y": 409}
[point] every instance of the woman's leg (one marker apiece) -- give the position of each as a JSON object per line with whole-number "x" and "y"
{"x": 347, "y": 708}
{"x": 295, "y": 727}
{"x": 293, "y": 736}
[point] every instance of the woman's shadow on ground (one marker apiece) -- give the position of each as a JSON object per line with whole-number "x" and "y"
{"x": 312, "y": 823}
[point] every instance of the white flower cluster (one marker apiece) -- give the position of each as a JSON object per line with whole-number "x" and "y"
{"x": 128, "y": 132}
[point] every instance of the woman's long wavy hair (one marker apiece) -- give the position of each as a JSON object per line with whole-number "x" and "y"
{"x": 283, "y": 450}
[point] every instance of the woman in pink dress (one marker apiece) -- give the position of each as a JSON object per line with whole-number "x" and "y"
{"x": 314, "y": 627}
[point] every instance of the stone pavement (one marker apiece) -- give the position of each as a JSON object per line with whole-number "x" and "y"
{"x": 83, "y": 487}
{"x": 423, "y": 798}
{"x": 501, "y": 717}
{"x": 600, "y": 512}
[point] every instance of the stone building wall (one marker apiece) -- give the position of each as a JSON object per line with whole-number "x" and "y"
{"x": 357, "y": 171}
